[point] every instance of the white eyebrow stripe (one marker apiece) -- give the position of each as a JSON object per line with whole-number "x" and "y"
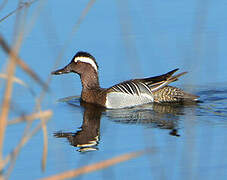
{"x": 86, "y": 60}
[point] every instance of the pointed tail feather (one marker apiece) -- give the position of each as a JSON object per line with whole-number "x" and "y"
{"x": 158, "y": 79}
{"x": 170, "y": 73}
{"x": 169, "y": 80}
{"x": 175, "y": 78}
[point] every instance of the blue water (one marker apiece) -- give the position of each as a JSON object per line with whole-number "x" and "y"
{"x": 131, "y": 39}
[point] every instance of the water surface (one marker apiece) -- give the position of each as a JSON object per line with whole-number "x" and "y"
{"x": 129, "y": 40}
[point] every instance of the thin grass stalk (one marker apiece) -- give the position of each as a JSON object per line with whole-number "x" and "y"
{"x": 9, "y": 85}
{"x": 41, "y": 114}
{"x": 13, "y": 156}
{"x": 7, "y": 95}
{"x": 33, "y": 18}
{"x": 125, "y": 21}
{"x": 45, "y": 145}
{"x": 6, "y": 102}
{"x": 21, "y": 63}
{"x": 20, "y": 7}
{"x": 15, "y": 79}
{"x": 95, "y": 167}
{"x": 19, "y": 81}
{"x": 45, "y": 139}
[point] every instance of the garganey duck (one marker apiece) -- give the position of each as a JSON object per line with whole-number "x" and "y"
{"x": 125, "y": 94}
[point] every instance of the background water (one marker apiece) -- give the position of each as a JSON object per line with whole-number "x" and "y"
{"x": 130, "y": 39}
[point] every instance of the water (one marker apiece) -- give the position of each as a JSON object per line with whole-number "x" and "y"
{"x": 129, "y": 40}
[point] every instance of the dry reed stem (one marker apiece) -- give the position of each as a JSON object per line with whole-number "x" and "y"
{"x": 45, "y": 144}
{"x": 19, "y": 32}
{"x": 18, "y": 81}
{"x": 130, "y": 46}
{"x": 6, "y": 104}
{"x": 45, "y": 139}
{"x": 84, "y": 13}
{"x": 7, "y": 94}
{"x": 95, "y": 167}
{"x": 15, "y": 79}
{"x": 21, "y": 63}
{"x": 23, "y": 5}
{"x": 13, "y": 156}
{"x": 33, "y": 18}
{"x": 41, "y": 114}
{"x": 1, "y": 177}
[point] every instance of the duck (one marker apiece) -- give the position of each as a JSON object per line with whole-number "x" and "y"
{"x": 128, "y": 93}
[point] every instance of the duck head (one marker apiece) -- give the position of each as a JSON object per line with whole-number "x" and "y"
{"x": 81, "y": 63}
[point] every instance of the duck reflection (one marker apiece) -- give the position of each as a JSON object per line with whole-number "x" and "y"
{"x": 87, "y": 137}
{"x": 164, "y": 116}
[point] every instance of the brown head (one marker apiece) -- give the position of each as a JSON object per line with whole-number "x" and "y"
{"x": 85, "y": 65}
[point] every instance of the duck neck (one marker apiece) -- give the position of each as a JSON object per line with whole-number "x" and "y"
{"x": 89, "y": 81}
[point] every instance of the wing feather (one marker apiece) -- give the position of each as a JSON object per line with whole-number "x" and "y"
{"x": 151, "y": 84}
